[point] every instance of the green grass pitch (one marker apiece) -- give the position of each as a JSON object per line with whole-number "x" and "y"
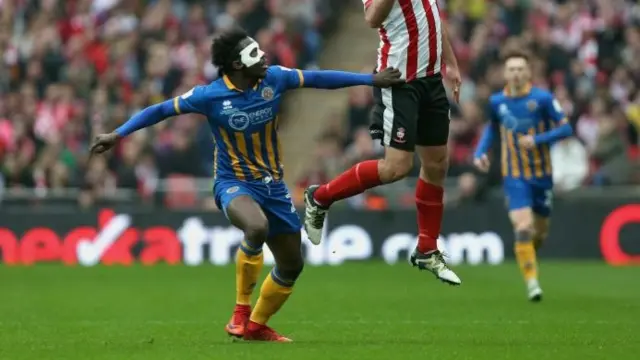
{"x": 356, "y": 311}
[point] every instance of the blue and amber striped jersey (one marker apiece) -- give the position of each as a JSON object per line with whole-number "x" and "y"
{"x": 534, "y": 112}
{"x": 244, "y": 123}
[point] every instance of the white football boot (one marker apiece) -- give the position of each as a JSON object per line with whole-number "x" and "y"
{"x": 534, "y": 292}
{"x": 435, "y": 263}
{"x": 314, "y": 216}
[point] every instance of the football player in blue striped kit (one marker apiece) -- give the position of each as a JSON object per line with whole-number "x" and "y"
{"x": 242, "y": 110}
{"x": 527, "y": 120}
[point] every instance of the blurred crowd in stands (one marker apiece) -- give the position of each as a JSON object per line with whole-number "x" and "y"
{"x": 70, "y": 69}
{"x": 586, "y": 52}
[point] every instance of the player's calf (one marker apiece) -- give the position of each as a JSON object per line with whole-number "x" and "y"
{"x": 540, "y": 230}
{"x": 527, "y": 260}
{"x": 396, "y": 165}
{"x": 275, "y": 291}
{"x": 429, "y": 203}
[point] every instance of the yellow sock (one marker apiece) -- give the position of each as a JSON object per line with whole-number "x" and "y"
{"x": 249, "y": 263}
{"x": 273, "y": 295}
{"x": 526, "y": 256}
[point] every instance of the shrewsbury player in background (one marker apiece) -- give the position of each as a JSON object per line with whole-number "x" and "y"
{"x": 528, "y": 120}
{"x": 241, "y": 108}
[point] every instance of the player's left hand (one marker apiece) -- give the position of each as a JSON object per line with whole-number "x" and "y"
{"x": 103, "y": 142}
{"x": 526, "y": 142}
{"x": 387, "y": 78}
{"x": 455, "y": 80}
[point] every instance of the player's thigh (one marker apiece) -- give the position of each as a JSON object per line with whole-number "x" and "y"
{"x": 280, "y": 211}
{"x": 240, "y": 205}
{"x": 519, "y": 203}
{"x": 542, "y": 201}
{"x": 395, "y": 117}
{"x": 434, "y": 113}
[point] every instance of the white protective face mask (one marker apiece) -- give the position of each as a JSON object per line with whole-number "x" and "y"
{"x": 245, "y": 54}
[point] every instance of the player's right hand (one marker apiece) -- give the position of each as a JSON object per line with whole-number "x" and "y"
{"x": 387, "y": 78}
{"x": 482, "y": 163}
{"x": 103, "y": 142}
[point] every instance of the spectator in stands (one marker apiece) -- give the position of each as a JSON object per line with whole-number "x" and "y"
{"x": 71, "y": 69}
{"x": 586, "y": 52}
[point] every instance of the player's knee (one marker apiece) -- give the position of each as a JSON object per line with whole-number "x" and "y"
{"x": 434, "y": 167}
{"x": 524, "y": 234}
{"x": 257, "y": 231}
{"x": 392, "y": 170}
{"x": 435, "y": 172}
{"x": 291, "y": 269}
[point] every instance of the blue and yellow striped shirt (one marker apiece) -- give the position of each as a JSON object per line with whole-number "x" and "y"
{"x": 244, "y": 124}
{"x": 534, "y": 112}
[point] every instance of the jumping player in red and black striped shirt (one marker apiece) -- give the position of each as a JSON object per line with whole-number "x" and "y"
{"x": 410, "y": 118}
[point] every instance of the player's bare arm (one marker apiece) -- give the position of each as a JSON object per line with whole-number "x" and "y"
{"x": 376, "y": 11}
{"x": 449, "y": 57}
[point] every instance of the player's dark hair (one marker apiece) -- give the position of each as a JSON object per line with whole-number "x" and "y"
{"x": 224, "y": 49}
{"x": 514, "y": 53}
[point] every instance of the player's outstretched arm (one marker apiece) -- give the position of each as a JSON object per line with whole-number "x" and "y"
{"x": 148, "y": 117}
{"x": 332, "y": 79}
{"x": 191, "y": 102}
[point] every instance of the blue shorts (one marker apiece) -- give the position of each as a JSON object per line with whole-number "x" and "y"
{"x": 273, "y": 197}
{"x": 522, "y": 194}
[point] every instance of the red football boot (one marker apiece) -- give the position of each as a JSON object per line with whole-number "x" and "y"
{"x": 257, "y": 332}
{"x": 238, "y": 323}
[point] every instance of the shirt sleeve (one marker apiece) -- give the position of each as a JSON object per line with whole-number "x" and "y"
{"x": 287, "y": 79}
{"x": 193, "y": 101}
{"x": 489, "y": 134}
{"x": 554, "y": 110}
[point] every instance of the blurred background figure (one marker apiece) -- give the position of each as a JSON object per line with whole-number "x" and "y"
{"x": 570, "y": 165}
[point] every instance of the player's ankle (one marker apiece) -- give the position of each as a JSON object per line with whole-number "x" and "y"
{"x": 242, "y": 307}
{"x": 426, "y": 244}
{"x": 320, "y": 197}
{"x": 253, "y": 326}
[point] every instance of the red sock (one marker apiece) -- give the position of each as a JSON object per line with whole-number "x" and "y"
{"x": 242, "y": 309}
{"x": 354, "y": 181}
{"x": 429, "y": 204}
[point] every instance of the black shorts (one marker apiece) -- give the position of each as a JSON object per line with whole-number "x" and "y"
{"x": 416, "y": 113}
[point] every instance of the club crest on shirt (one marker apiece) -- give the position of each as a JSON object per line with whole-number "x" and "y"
{"x": 233, "y": 189}
{"x": 532, "y": 105}
{"x": 267, "y": 93}
{"x": 400, "y": 134}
